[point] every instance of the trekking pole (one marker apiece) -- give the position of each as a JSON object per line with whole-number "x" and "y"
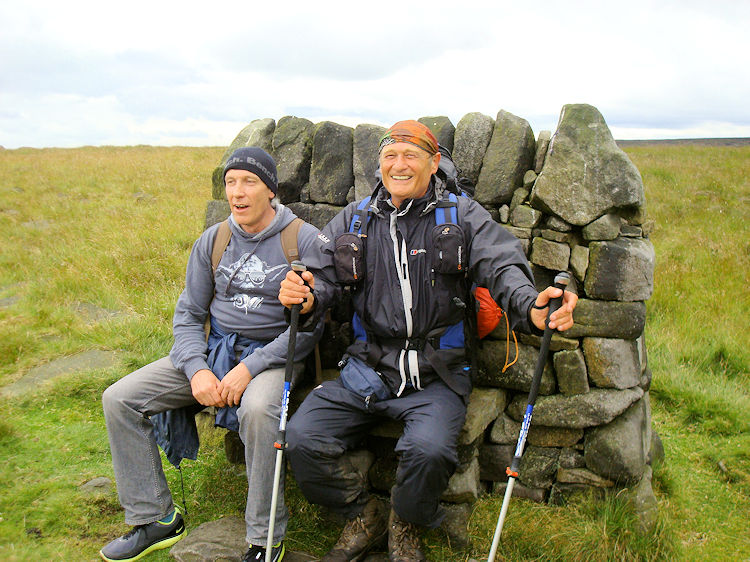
{"x": 280, "y": 443}
{"x": 561, "y": 281}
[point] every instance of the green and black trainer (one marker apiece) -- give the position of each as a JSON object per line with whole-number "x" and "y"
{"x": 142, "y": 539}
{"x": 258, "y": 553}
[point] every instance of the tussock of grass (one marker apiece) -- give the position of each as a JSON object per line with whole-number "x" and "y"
{"x": 114, "y": 231}
{"x": 587, "y": 529}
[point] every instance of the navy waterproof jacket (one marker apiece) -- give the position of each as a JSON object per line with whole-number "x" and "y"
{"x": 408, "y": 317}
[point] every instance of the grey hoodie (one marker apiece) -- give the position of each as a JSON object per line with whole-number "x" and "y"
{"x": 243, "y": 296}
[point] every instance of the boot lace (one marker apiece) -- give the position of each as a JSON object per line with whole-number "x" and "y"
{"x": 352, "y": 528}
{"x": 405, "y": 539}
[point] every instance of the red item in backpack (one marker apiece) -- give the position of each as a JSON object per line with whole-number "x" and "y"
{"x": 489, "y": 314}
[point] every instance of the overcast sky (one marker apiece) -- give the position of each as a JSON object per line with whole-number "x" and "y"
{"x": 159, "y": 72}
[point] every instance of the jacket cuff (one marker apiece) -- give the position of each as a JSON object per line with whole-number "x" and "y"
{"x": 254, "y": 364}
{"x": 193, "y": 366}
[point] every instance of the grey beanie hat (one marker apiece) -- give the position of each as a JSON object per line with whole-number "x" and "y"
{"x": 257, "y": 161}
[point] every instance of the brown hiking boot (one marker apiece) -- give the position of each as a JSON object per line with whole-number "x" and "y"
{"x": 403, "y": 541}
{"x": 360, "y": 534}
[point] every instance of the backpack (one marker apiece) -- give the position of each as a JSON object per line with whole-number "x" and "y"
{"x": 482, "y": 314}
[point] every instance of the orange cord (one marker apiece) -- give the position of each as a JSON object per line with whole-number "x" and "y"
{"x": 508, "y": 331}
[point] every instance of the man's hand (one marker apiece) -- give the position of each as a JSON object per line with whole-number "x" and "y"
{"x": 234, "y": 384}
{"x": 294, "y": 291}
{"x": 205, "y": 389}
{"x": 562, "y": 318}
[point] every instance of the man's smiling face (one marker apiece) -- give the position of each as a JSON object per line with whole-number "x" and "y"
{"x": 406, "y": 170}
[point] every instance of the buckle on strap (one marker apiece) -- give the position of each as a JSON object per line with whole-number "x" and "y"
{"x": 414, "y": 344}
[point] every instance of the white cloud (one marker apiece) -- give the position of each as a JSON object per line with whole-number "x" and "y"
{"x": 185, "y": 73}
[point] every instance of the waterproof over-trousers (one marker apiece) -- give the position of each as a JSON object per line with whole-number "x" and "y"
{"x": 141, "y": 485}
{"x": 333, "y": 419}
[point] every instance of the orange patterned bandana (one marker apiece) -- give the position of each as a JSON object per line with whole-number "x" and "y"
{"x": 412, "y": 132}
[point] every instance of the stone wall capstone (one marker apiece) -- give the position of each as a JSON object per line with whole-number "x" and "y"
{"x": 575, "y": 202}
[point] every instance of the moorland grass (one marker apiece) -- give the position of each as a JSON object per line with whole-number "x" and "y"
{"x": 113, "y": 226}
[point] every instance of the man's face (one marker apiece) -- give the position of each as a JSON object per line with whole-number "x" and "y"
{"x": 249, "y": 199}
{"x": 406, "y": 170}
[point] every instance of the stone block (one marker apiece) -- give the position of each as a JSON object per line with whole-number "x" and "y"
{"x": 570, "y": 458}
{"x": 570, "y": 368}
{"x": 456, "y": 524}
{"x": 520, "y": 233}
{"x": 618, "y": 450}
{"x": 331, "y": 169}
{"x": 579, "y": 261}
{"x": 555, "y": 236}
{"x": 643, "y": 502}
{"x": 538, "y": 466}
{"x": 608, "y": 319}
{"x": 442, "y": 128}
{"x": 216, "y": 211}
{"x": 503, "y": 214}
{"x": 505, "y": 430}
{"x": 621, "y": 270}
{"x": 518, "y": 376}
{"x": 520, "y": 491}
{"x": 508, "y": 156}
{"x": 556, "y": 223}
{"x": 519, "y": 197}
{"x": 582, "y": 476}
{"x": 493, "y": 460}
{"x": 365, "y": 158}
{"x": 550, "y": 255}
{"x": 523, "y": 216}
{"x": 561, "y": 493}
{"x": 472, "y": 136}
{"x": 595, "y": 408}
{"x": 484, "y": 406}
{"x": 612, "y": 363}
{"x": 542, "y": 144}
{"x": 292, "y": 150}
{"x": 463, "y": 487}
{"x": 585, "y": 173}
{"x": 258, "y": 133}
{"x": 606, "y": 227}
{"x": 318, "y": 214}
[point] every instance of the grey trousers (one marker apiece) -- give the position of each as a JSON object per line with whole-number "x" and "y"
{"x": 141, "y": 485}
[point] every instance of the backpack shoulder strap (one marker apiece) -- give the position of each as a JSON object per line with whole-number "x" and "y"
{"x": 356, "y": 224}
{"x": 223, "y": 234}
{"x": 289, "y": 239}
{"x": 448, "y": 201}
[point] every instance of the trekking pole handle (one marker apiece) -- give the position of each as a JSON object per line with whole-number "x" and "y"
{"x": 562, "y": 280}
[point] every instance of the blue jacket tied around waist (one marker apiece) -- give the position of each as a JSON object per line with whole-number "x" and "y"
{"x": 175, "y": 430}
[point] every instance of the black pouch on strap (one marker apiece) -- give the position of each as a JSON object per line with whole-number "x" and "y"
{"x": 448, "y": 249}
{"x": 349, "y": 258}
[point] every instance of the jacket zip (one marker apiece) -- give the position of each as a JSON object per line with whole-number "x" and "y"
{"x": 400, "y": 254}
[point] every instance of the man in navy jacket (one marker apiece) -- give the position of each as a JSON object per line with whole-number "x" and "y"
{"x": 408, "y": 273}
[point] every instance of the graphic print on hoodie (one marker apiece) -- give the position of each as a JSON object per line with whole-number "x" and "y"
{"x": 248, "y": 274}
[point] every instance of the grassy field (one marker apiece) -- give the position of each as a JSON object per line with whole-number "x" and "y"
{"x": 112, "y": 227}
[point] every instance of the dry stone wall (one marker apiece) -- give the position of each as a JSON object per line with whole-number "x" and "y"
{"x": 576, "y": 202}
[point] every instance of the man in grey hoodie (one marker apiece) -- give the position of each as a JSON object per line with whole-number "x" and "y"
{"x": 240, "y": 369}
